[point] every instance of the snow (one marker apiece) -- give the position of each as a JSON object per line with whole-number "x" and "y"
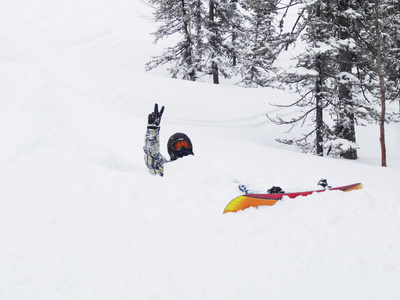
{"x": 81, "y": 218}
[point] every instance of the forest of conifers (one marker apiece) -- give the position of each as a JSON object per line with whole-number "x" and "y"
{"x": 348, "y": 67}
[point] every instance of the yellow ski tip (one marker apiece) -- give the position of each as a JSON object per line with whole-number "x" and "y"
{"x": 243, "y": 202}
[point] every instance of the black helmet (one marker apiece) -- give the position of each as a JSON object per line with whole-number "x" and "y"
{"x": 179, "y": 145}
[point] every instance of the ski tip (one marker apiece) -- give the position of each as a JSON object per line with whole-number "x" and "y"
{"x": 246, "y": 201}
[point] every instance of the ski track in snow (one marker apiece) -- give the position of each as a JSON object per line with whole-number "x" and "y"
{"x": 252, "y": 121}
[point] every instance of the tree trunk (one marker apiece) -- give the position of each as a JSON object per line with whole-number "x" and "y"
{"x": 319, "y": 110}
{"x": 188, "y": 54}
{"x": 382, "y": 85}
{"x": 318, "y": 101}
{"x": 234, "y": 35}
{"x": 213, "y": 42}
{"x": 345, "y": 128}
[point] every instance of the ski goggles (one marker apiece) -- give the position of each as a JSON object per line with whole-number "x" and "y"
{"x": 179, "y": 144}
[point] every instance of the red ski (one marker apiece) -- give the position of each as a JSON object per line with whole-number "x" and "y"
{"x": 254, "y": 200}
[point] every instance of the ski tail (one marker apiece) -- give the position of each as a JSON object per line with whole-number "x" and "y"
{"x": 348, "y": 188}
{"x": 359, "y": 186}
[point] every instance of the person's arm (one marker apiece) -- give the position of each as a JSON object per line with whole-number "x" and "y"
{"x": 153, "y": 158}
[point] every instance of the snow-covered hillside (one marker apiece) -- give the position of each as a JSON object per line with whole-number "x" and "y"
{"x": 81, "y": 218}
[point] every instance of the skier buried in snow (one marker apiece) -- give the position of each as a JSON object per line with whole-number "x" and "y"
{"x": 179, "y": 144}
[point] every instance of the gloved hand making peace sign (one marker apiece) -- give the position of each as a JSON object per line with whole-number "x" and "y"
{"x": 155, "y": 117}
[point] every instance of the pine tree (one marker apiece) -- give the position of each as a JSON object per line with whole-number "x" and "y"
{"x": 379, "y": 70}
{"x": 346, "y": 104}
{"x": 378, "y": 59}
{"x": 314, "y": 80}
{"x": 224, "y": 38}
{"x": 332, "y": 85}
{"x": 262, "y": 45}
{"x": 211, "y": 34}
{"x": 179, "y": 17}
{"x": 389, "y": 14}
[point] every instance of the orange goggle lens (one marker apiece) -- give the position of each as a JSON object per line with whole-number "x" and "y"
{"x": 181, "y": 143}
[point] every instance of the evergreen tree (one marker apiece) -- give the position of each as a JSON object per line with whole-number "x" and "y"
{"x": 389, "y": 15}
{"x": 180, "y": 17}
{"x": 346, "y": 105}
{"x": 331, "y": 86}
{"x": 315, "y": 80}
{"x": 378, "y": 45}
{"x": 225, "y": 38}
{"x": 378, "y": 58}
{"x": 262, "y": 46}
{"x": 214, "y": 42}
{"x": 211, "y": 32}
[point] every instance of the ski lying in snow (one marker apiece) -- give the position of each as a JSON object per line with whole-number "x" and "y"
{"x": 254, "y": 200}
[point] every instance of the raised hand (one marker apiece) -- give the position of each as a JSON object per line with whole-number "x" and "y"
{"x": 155, "y": 117}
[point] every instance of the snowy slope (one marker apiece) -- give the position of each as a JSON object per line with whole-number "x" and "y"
{"x": 81, "y": 218}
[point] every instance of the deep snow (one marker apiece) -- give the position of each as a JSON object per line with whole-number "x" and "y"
{"x": 81, "y": 218}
